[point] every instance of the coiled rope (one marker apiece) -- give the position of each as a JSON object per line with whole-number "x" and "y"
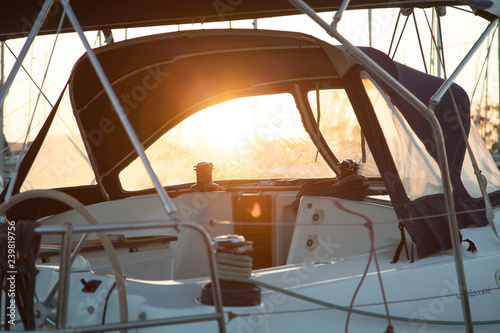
{"x": 232, "y": 265}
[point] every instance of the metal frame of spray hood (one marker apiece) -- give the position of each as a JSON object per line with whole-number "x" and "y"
{"x": 167, "y": 204}
{"x": 428, "y": 113}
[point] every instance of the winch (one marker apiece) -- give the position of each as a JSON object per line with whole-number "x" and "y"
{"x": 348, "y": 167}
{"x": 204, "y": 181}
{"x": 233, "y": 263}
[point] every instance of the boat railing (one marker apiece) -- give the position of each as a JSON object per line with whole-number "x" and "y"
{"x": 68, "y": 230}
{"x": 426, "y": 111}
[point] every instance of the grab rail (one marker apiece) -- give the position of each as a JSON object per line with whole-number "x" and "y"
{"x": 68, "y": 229}
{"x": 428, "y": 114}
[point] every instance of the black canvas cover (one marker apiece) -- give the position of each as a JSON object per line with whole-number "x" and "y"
{"x": 431, "y": 234}
{"x": 17, "y": 17}
{"x": 162, "y": 79}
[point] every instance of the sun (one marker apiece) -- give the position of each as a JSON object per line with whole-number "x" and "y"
{"x": 225, "y": 126}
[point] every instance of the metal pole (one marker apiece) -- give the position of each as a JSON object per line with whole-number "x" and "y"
{"x": 169, "y": 207}
{"x": 428, "y": 114}
{"x": 338, "y": 15}
{"x": 64, "y": 267}
{"x": 75, "y": 253}
{"x": 447, "y": 84}
{"x": 17, "y": 65}
{"x": 439, "y": 46}
{"x": 214, "y": 276}
{"x": 136, "y": 326}
{"x": 369, "y": 27}
{"x": 434, "y": 64}
{"x": 24, "y": 51}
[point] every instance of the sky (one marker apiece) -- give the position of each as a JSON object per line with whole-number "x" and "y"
{"x": 460, "y": 30}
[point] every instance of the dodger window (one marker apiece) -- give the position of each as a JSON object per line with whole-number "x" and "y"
{"x": 252, "y": 138}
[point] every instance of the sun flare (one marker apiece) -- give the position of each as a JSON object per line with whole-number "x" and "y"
{"x": 224, "y": 126}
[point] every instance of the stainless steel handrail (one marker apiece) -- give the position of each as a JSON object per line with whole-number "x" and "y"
{"x": 86, "y": 229}
{"x": 134, "y": 324}
{"x": 428, "y": 114}
{"x": 168, "y": 205}
{"x": 449, "y": 81}
{"x": 12, "y": 74}
{"x": 64, "y": 267}
{"x": 75, "y": 253}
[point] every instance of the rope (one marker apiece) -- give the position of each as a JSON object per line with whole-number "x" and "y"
{"x": 352, "y": 187}
{"x": 420, "y": 43}
{"x": 231, "y": 265}
{"x": 373, "y": 254}
{"x": 91, "y": 219}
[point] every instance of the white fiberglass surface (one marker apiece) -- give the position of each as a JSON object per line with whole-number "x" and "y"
{"x": 485, "y": 163}
{"x": 62, "y": 160}
{"x": 418, "y": 171}
{"x": 259, "y": 137}
{"x": 341, "y": 130}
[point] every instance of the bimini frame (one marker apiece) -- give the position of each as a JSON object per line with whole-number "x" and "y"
{"x": 428, "y": 113}
{"x": 167, "y": 204}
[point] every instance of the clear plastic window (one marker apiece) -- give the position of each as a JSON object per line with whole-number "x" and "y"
{"x": 419, "y": 172}
{"x": 485, "y": 163}
{"x": 260, "y": 137}
{"x": 62, "y": 160}
{"x": 340, "y": 128}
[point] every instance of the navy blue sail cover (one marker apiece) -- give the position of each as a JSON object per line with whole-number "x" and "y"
{"x": 431, "y": 234}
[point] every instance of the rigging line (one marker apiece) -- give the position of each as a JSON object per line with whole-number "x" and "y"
{"x": 40, "y": 92}
{"x": 433, "y": 38}
{"x": 43, "y": 82}
{"x": 20, "y": 139}
{"x": 333, "y": 306}
{"x": 484, "y": 66}
{"x": 21, "y": 153}
{"x": 419, "y": 299}
{"x": 486, "y": 59}
{"x": 82, "y": 154}
{"x": 48, "y": 65}
{"x": 478, "y": 116}
{"x": 485, "y": 95}
{"x": 44, "y": 76}
{"x": 373, "y": 304}
{"x": 440, "y": 36}
{"x": 410, "y": 219}
{"x": 375, "y": 315}
{"x": 293, "y": 224}
{"x": 400, "y": 37}
{"x": 31, "y": 99}
{"x": 420, "y": 41}
{"x": 462, "y": 9}
{"x": 394, "y": 33}
{"x": 411, "y": 138}
{"x": 481, "y": 179}
{"x": 29, "y": 75}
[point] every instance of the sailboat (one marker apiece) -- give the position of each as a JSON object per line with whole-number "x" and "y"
{"x": 237, "y": 180}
